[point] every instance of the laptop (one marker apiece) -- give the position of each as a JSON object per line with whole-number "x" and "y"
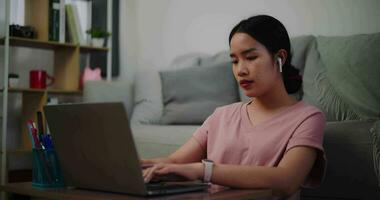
{"x": 96, "y": 150}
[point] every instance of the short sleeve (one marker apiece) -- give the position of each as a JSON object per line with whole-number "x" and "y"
{"x": 201, "y": 134}
{"x": 310, "y": 133}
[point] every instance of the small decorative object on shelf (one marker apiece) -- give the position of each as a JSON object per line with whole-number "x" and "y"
{"x": 98, "y": 37}
{"x": 13, "y": 80}
{"x": 90, "y": 75}
{"x": 22, "y": 31}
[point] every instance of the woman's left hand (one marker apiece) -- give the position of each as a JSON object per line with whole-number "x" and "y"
{"x": 192, "y": 171}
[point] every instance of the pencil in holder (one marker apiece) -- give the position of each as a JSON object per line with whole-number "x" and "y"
{"x": 46, "y": 169}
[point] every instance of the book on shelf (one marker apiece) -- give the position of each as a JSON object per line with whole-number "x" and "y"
{"x": 80, "y": 16}
{"x": 54, "y": 20}
{"x": 62, "y": 21}
{"x": 85, "y": 11}
{"x": 17, "y": 12}
{"x": 72, "y": 28}
{"x": 79, "y": 29}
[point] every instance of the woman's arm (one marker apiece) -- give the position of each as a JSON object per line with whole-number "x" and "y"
{"x": 191, "y": 151}
{"x": 285, "y": 179}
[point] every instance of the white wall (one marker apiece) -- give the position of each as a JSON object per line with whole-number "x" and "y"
{"x": 2, "y": 18}
{"x": 156, "y": 31}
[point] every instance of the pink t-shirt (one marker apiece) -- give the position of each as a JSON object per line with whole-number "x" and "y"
{"x": 229, "y": 137}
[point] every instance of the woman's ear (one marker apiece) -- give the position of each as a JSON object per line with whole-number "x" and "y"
{"x": 283, "y": 55}
{"x": 281, "y": 58}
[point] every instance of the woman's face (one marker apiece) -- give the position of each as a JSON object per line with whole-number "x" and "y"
{"x": 252, "y": 65}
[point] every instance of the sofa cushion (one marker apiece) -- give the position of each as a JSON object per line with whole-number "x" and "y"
{"x": 216, "y": 59}
{"x": 148, "y": 105}
{"x": 350, "y": 169}
{"x": 190, "y": 95}
{"x": 353, "y": 69}
{"x": 104, "y": 91}
{"x": 154, "y": 141}
{"x": 187, "y": 60}
{"x": 318, "y": 90}
{"x": 300, "y": 47}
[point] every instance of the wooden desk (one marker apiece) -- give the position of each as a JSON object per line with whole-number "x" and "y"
{"x": 213, "y": 193}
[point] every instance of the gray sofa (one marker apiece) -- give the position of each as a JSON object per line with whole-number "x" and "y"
{"x": 340, "y": 76}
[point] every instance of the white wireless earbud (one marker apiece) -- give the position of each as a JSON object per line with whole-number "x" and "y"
{"x": 279, "y": 64}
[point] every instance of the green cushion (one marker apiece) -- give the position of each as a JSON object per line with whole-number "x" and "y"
{"x": 353, "y": 68}
{"x": 318, "y": 90}
{"x": 300, "y": 47}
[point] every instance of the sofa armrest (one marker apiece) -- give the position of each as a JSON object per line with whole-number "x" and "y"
{"x": 114, "y": 91}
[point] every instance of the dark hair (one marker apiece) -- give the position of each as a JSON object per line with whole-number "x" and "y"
{"x": 272, "y": 34}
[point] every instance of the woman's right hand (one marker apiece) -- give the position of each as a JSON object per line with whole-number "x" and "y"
{"x": 173, "y": 172}
{"x": 146, "y": 163}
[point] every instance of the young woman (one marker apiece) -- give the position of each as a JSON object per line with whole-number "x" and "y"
{"x": 273, "y": 141}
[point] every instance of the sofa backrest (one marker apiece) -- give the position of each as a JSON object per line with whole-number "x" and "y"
{"x": 148, "y": 103}
{"x": 341, "y": 76}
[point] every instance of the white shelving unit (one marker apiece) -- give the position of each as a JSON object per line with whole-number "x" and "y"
{"x": 6, "y": 41}
{"x": 109, "y": 44}
{"x": 5, "y": 95}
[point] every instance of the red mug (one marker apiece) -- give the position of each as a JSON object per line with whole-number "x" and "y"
{"x": 37, "y": 79}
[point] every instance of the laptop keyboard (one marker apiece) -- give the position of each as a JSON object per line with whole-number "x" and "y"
{"x": 175, "y": 187}
{"x": 172, "y": 183}
{"x": 168, "y": 178}
{"x": 163, "y": 185}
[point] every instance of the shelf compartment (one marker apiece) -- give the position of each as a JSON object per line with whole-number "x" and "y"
{"x": 66, "y": 69}
{"x": 32, "y": 102}
{"x": 87, "y": 49}
{"x": 34, "y": 43}
{"x": 49, "y": 91}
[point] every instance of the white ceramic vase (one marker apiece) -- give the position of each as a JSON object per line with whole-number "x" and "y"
{"x": 97, "y": 42}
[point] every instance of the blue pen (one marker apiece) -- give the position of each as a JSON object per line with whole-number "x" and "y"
{"x": 48, "y": 143}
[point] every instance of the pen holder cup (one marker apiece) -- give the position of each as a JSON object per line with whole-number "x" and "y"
{"x": 46, "y": 169}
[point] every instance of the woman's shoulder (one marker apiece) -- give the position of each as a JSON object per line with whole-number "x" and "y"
{"x": 306, "y": 110}
{"x": 306, "y": 107}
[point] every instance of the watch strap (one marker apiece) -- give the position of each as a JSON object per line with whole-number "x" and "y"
{"x": 208, "y": 168}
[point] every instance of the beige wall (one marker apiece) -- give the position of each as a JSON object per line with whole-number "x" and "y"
{"x": 156, "y": 31}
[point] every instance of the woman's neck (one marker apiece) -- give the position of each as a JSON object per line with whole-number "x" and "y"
{"x": 276, "y": 99}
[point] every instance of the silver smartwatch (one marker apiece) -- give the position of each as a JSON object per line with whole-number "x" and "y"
{"x": 208, "y": 167}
